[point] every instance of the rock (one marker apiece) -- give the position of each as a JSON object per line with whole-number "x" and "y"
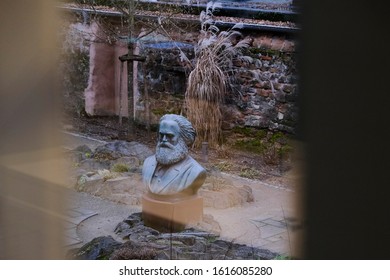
{"x": 246, "y": 193}
{"x": 267, "y": 85}
{"x": 279, "y": 95}
{"x": 117, "y": 149}
{"x": 129, "y": 161}
{"x": 231, "y": 115}
{"x": 221, "y": 194}
{"x": 146, "y": 243}
{"x": 92, "y": 164}
{"x": 134, "y": 226}
{"x": 282, "y": 79}
{"x": 258, "y": 85}
{"x": 256, "y": 121}
{"x": 242, "y": 252}
{"x": 83, "y": 149}
{"x": 209, "y": 224}
{"x": 237, "y": 63}
{"x": 264, "y": 92}
{"x": 277, "y": 86}
{"x": 100, "y": 248}
{"x": 288, "y": 88}
{"x": 113, "y": 186}
{"x": 80, "y": 153}
{"x": 251, "y": 92}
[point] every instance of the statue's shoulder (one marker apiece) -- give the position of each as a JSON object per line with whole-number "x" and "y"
{"x": 149, "y": 162}
{"x": 195, "y": 166}
{"x": 150, "y": 159}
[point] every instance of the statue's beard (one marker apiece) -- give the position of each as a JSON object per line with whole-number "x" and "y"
{"x": 168, "y": 154}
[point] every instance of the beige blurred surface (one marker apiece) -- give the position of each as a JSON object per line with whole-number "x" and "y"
{"x": 31, "y": 172}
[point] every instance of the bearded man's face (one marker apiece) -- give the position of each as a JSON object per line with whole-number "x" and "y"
{"x": 171, "y": 147}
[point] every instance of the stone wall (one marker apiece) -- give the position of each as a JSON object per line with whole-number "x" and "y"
{"x": 165, "y": 76}
{"x": 265, "y": 90}
{"x": 264, "y": 96}
{"x": 268, "y": 86}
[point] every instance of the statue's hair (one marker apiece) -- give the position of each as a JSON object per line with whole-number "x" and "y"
{"x": 187, "y": 131}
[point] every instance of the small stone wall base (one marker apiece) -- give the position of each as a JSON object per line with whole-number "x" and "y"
{"x": 171, "y": 215}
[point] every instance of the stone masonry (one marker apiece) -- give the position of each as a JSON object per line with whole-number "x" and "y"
{"x": 265, "y": 90}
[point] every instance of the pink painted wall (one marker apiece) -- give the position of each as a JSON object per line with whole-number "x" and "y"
{"x": 102, "y": 96}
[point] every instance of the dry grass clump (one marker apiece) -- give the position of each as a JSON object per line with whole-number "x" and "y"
{"x": 208, "y": 82}
{"x": 120, "y": 168}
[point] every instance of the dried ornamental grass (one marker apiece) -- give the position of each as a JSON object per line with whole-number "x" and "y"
{"x": 210, "y": 79}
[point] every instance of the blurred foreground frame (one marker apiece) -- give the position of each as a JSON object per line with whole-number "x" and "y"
{"x": 31, "y": 171}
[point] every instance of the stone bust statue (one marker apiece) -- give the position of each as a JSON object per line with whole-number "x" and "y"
{"x": 171, "y": 170}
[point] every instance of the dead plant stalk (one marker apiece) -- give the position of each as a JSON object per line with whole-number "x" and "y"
{"x": 209, "y": 81}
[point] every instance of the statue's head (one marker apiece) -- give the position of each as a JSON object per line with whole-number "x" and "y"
{"x": 176, "y": 133}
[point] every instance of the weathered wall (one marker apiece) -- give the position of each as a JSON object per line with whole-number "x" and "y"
{"x": 100, "y": 93}
{"x": 91, "y": 71}
{"x": 74, "y": 66}
{"x": 268, "y": 85}
{"x": 165, "y": 76}
{"x": 265, "y": 94}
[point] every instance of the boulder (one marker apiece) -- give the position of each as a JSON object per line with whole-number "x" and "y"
{"x": 113, "y": 186}
{"x": 80, "y": 153}
{"x": 100, "y": 248}
{"x": 117, "y": 149}
{"x": 220, "y": 193}
{"x": 91, "y": 164}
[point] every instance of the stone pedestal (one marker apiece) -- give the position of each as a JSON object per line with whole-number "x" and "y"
{"x": 171, "y": 213}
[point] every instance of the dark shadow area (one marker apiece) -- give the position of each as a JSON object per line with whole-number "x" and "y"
{"x": 344, "y": 69}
